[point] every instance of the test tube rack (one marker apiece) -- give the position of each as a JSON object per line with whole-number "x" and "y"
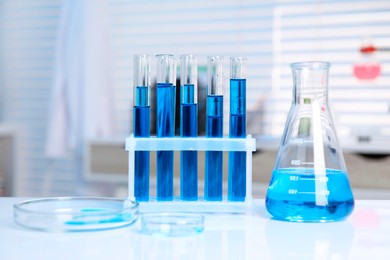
{"x": 153, "y": 143}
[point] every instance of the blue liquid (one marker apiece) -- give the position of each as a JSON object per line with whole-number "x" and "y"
{"x": 141, "y": 117}
{"x": 93, "y": 219}
{"x": 141, "y": 96}
{"x": 166, "y": 97}
{"x": 238, "y": 97}
{"x": 189, "y": 122}
{"x": 292, "y": 195}
{"x": 189, "y": 159}
{"x": 214, "y": 159}
{"x": 237, "y": 129}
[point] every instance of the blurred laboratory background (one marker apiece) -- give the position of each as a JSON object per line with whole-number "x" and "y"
{"x": 66, "y": 73}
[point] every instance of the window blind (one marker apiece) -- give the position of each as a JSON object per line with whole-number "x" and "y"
{"x": 228, "y": 28}
{"x": 335, "y": 31}
{"x": 29, "y": 30}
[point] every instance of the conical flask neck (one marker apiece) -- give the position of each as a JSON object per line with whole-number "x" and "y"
{"x": 310, "y": 82}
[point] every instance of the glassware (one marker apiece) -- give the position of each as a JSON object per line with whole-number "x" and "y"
{"x": 73, "y": 214}
{"x": 165, "y": 107}
{"x": 172, "y": 224}
{"x": 309, "y": 181}
{"x": 214, "y": 128}
{"x": 237, "y": 128}
{"x": 188, "y": 126}
{"x": 141, "y": 124}
{"x": 367, "y": 67}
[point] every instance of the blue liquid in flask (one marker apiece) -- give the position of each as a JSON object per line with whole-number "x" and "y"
{"x": 166, "y": 98}
{"x": 189, "y": 159}
{"x": 141, "y": 126}
{"x": 292, "y": 195}
{"x": 237, "y": 129}
{"x": 214, "y": 159}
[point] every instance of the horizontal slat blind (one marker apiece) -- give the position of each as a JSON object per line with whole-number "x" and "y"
{"x": 202, "y": 28}
{"x": 29, "y": 31}
{"x": 334, "y": 31}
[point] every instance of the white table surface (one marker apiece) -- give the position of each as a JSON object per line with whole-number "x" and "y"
{"x": 364, "y": 235}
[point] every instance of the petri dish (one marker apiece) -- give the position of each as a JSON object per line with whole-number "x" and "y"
{"x": 172, "y": 224}
{"x": 75, "y": 214}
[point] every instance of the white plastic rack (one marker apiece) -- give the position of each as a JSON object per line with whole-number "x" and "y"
{"x": 247, "y": 144}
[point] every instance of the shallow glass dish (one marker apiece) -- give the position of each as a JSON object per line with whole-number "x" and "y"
{"x": 74, "y": 214}
{"x": 172, "y": 224}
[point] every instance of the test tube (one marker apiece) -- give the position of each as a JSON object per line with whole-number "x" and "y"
{"x": 141, "y": 124}
{"x": 188, "y": 126}
{"x": 237, "y": 129}
{"x": 165, "y": 125}
{"x": 214, "y": 128}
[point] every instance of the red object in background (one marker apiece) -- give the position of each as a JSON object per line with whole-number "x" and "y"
{"x": 367, "y": 71}
{"x": 368, "y": 49}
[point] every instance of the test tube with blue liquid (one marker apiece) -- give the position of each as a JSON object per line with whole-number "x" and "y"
{"x": 237, "y": 129}
{"x": 165, "y": 125}
{"x": 188, "y": 126}
{"x": 214, "y": 128}
{"x": 141, "y": 124}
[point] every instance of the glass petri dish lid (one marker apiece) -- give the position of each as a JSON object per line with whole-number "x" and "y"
{"x": 75, "y": 214}
{"x": 172, "y": 224}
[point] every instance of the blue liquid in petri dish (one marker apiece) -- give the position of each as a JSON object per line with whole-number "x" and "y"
{"x": 292, "y": 195}
{"x": 214, "y": 159}
{"x": 237, "y": 129}
{"x": 141, "y": 158}
{"x": 87, "y": 217}
{"x": 166, "y": 98}
{"x": 189, "y": 159}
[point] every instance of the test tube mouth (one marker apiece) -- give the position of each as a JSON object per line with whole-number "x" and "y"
{"x": 214, "y": 58}
{"x": 164, "y": 55}
{"x": 166, "y": 68}
{"x": 238, "y": 59}
{"x": 238, "y": 67}
{"x": 214, "y": 75}
{"x": 315, "y": 65}
{"x": 189, "y": 56}
{"x": 141, "y": 70}
{"x": 188, "y": 69}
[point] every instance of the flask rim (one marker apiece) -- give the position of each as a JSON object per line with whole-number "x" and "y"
{"x": 310, "y": 65}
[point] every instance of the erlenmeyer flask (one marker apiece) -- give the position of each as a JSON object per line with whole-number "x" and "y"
{"x": 309, "y": 181}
